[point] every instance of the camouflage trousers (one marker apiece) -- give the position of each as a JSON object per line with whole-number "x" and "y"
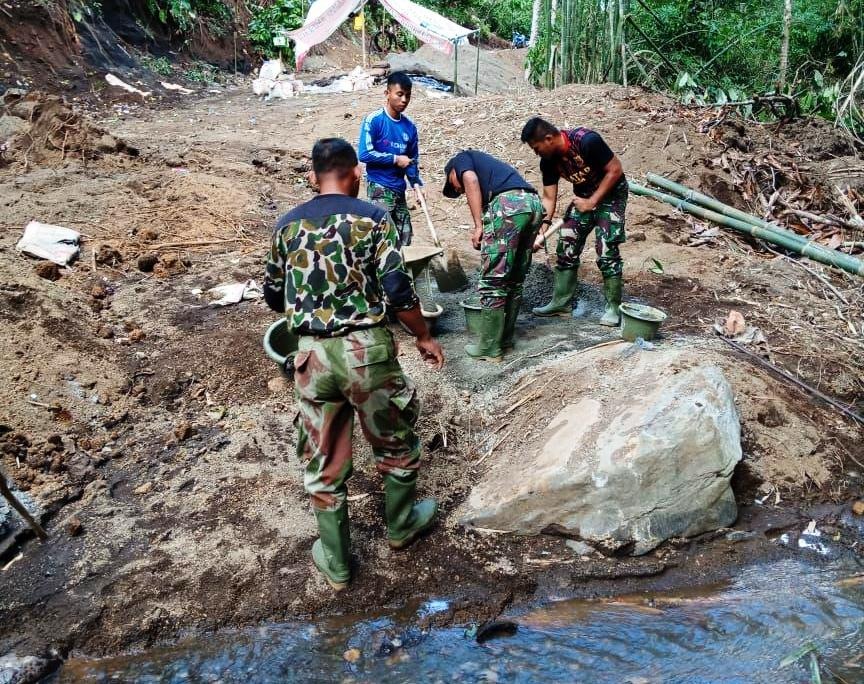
{"x": 396, "y": 205}
{"x": 336, "y": 377}
{"x": 510, "y": 225}
{"x": 607, "y": 221}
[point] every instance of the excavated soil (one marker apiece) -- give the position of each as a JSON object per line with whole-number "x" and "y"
{"x": 158, "y": 438}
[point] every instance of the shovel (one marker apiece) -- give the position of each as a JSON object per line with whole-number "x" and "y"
{"x": 446, "y": 269}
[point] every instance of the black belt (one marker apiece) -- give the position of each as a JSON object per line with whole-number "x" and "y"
{"x": 342, "y": 332}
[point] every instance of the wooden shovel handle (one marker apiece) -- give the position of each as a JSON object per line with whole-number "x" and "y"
{"x": 423, "y": 206}
{"x": 540, "y": 239}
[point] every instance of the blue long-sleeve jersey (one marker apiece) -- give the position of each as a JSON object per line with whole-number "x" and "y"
{"x": 381, "y": 139}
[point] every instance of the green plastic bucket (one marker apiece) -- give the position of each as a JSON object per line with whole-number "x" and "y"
{"x": 639, "y": 320}
{"x": 279, "y": 343}
{"x": 473, "y": 314}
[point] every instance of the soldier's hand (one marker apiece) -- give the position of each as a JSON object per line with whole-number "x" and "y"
{"x": 477, "y": 237}
{"x": 582, "y": 205}
{"x": 402, "y": 161}
{"x": 431, "y": 351}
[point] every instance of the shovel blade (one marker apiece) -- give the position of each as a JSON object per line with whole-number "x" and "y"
{"x": 448, "y": 272}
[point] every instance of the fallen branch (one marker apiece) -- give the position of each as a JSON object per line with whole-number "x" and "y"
{"x": 825, "y": 220}
{"x": 794, "y": 380}
{"x": 22, "y": 511}
{"x": 194, "y": 243}
{"x": 816, "y": 275}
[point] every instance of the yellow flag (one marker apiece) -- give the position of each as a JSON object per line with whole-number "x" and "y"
{"x": 358, "y": 21}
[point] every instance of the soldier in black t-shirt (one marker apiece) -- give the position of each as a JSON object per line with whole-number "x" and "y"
{"x": 582, "y": 157}
{"x": 507, "y": 214}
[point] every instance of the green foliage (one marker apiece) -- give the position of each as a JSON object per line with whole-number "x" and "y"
{"x": 200, "y": 72}
{"x": 269, "y": 20}
{"x": 80, "y": 10}
{"x": 182, "y": 15}
{"x": 708, "y": 51}
{"x": 158, "y": 65}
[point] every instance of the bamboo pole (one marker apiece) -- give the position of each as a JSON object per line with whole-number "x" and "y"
{"x": 455, "y": 67}
{"x": 477, "y": 64}
{"x": 785, "y": 239}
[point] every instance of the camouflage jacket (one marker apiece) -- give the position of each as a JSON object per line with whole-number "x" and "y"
{"x": 333, "y": 263}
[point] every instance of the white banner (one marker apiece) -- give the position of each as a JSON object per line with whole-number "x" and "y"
{"x": 325, "y": 16}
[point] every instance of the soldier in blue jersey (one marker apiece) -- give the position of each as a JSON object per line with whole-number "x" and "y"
{"x": 389, "y": 147}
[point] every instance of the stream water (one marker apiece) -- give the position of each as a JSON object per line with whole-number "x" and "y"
{"x": 773, "y": 623}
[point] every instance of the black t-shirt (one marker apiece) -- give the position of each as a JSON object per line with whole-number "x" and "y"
{"x": 583, "y": 164}
{"x": 493, "y": 175}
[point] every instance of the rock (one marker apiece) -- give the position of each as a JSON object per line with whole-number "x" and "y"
{"x": 24, "y": 670}
{"x": 183, "y": 431}
{"x": 858, "y": 507}
{"x": 636, "y": 236}
{"x": 146, "y": 262}
{"x": 580, "y": 548}
{"x": 626, "y": 463}
{"x": 108, "y": 143}
{"x": 48, "y": 270}
{"x": 137, "y": 335}
{"x": 74, "y": 527}
{"x": 149, "y": 235}
{"x": 105, "y": 332}
{"x": 98, "y": 291}
{"x": 11, "y": 126}
{"x": 736, "y": 536}
{"x": 145, "y": 488}
{"x": 79, "y": 467}
{"x": 108, "y": 256}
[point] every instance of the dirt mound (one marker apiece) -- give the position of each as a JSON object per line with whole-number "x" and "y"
{"x": 52, "y": 127}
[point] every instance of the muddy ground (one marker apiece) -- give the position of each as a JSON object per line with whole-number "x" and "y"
{"x": 158, "y": 438}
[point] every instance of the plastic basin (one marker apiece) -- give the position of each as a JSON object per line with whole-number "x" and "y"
{"x": 639, "y": 320}
{"x": 472, "y": 308}
{"x": 280, "y": 344}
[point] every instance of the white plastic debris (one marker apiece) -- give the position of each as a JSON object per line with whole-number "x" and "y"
{"x": 811, "y": 539}
{"x": 357, "y": 79}
{"x": 114, "y": 81}
{"x": 54, "y": 243}
{"x": 234, "y": 293}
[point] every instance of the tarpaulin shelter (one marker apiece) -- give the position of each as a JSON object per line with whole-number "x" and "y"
{"x": 325, "y": 16}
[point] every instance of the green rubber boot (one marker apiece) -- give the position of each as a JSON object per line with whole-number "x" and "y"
{"x": 406, "y": 519}
{"x": 563, "y": 291}
{"x": 511, "y": 313}
{"x": 331, "y": 553}
{"x": 612, "y": 291}
{"x": 488, "y": 347}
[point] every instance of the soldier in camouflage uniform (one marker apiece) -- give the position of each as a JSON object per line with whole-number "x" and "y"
{"x": 600, "y": 199}
{"x": 333, "y": 265}
{"x": 507, "y": 214}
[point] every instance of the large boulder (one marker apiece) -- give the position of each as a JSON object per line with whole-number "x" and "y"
{"x": 640, "y": 448}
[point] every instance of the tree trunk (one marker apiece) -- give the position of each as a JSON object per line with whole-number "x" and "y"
{"x": 535, "y": 22}
{"x": 784, "y": 46}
